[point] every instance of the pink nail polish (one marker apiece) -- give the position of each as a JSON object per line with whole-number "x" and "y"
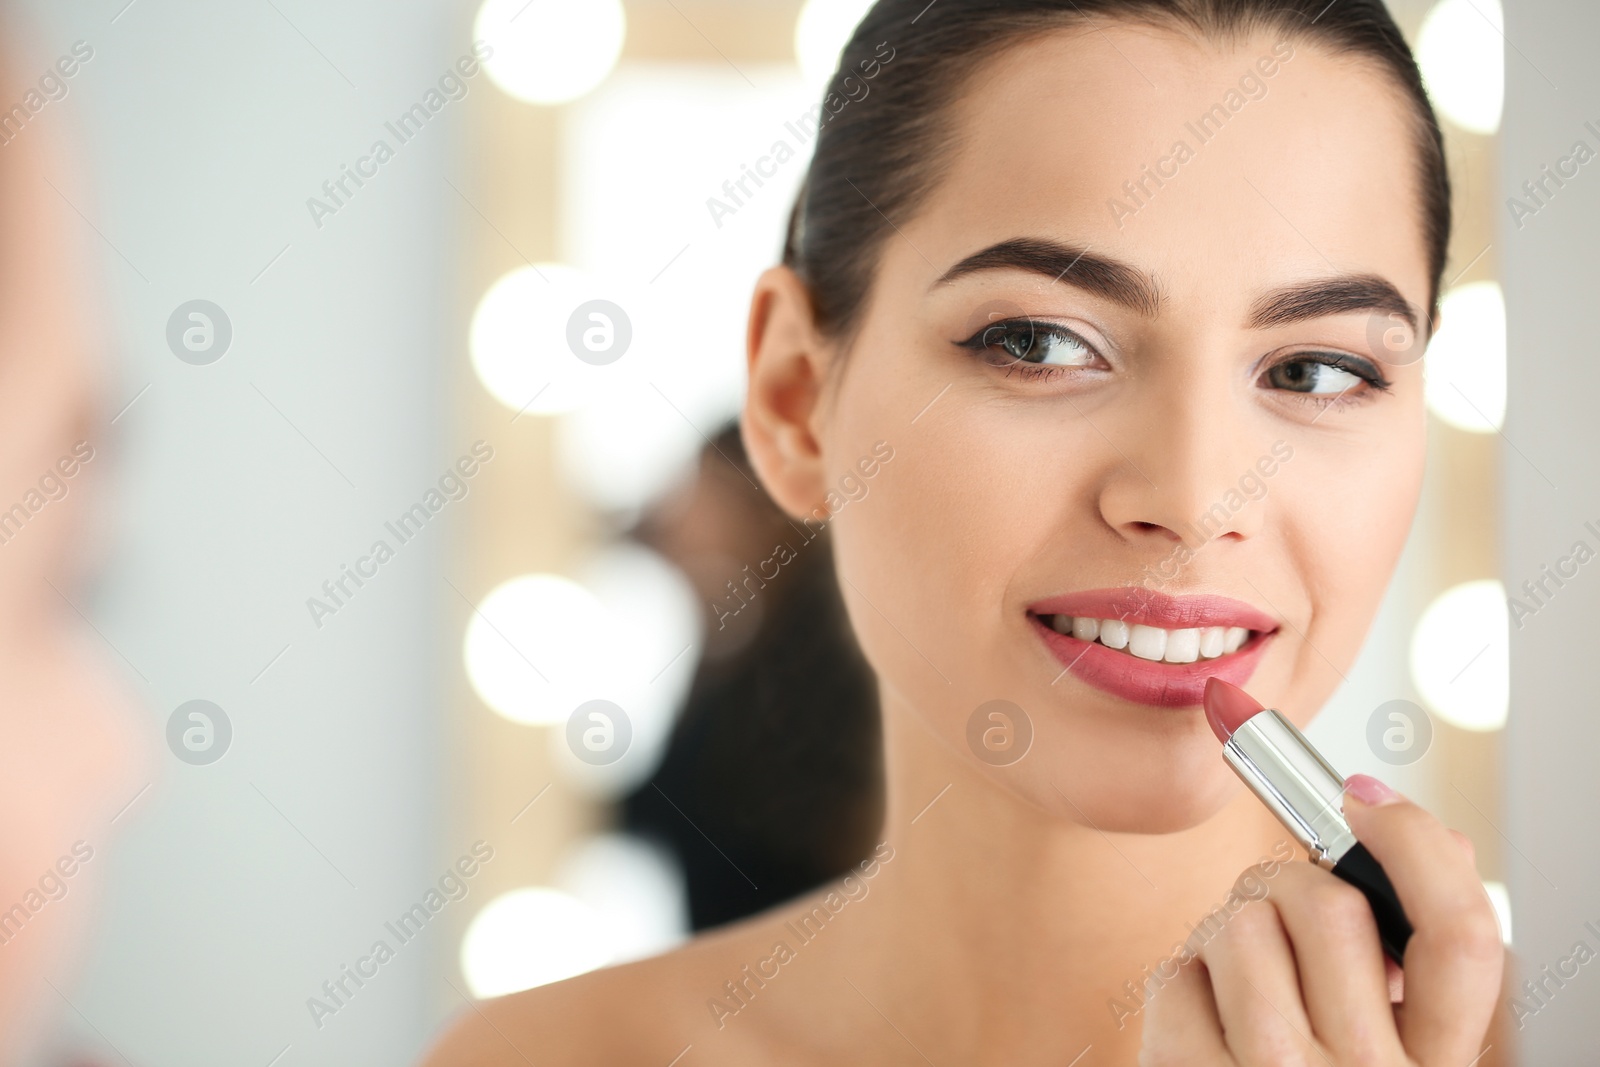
{"x": 1369, "y": 790}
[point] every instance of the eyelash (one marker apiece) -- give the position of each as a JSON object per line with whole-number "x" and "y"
{"x": 1365, "y": 370}
{"x": 981, "y": 343}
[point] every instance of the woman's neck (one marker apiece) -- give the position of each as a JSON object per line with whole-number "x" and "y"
{"x": 997, "y": 928}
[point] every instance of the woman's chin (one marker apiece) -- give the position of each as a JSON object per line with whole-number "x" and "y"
{"x": 1176, "y": 811}
{"x": 1174, "y": 792}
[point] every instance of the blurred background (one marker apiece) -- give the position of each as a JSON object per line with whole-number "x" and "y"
{"x": 428, "y": 563}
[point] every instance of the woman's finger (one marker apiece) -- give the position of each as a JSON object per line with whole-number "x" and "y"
{"x": 1254, "y": 981}
{"x": 1397, "y": 980}
{"x": 1454, "y": 958}
{"x": 1341, "y": 965}
{"x": 1181, "y": 1025}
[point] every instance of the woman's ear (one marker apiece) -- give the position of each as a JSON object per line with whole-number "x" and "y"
{"x": 788, "y": 362}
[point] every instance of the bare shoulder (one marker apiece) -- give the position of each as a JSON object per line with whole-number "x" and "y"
{"x": 653, "y": 1011}
{"x": 642, "y": 1012}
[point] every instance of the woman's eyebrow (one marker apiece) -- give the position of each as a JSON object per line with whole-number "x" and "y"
{"x": 1109, "y": 278}
{"x": 1329, "y": 296}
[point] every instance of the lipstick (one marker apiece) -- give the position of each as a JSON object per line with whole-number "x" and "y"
{"x": 1297, "y": 785}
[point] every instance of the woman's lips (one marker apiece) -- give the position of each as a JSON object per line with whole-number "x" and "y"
{"x": 1154, "y": 680}
{"x": 1133, "y": 604}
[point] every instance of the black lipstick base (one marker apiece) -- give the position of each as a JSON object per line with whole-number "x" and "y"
{"x": 1362, "y": 871}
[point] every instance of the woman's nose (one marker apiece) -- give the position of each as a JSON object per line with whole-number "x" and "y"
{"x": 1192, "y": 472}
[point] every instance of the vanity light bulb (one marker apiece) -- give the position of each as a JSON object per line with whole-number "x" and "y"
{"x": 820, "y": 34}
{"x": 531, "y": 937}
{"x": 1465, "y": 369}
{"x": 550, "y": 51}
{"x": 1461, "y": 50}
{"x": 533, "y": 648}
{"x": 1461, "y": 658}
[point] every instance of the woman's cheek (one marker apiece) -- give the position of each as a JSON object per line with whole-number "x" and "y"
{"x": 1349, "y": 513}
{"x": 916, "y": 558}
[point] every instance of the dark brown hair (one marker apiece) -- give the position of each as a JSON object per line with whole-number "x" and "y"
{"x": 876, "y": 160}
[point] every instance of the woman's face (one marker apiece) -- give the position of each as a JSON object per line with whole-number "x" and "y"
{"x": 1209, "y": 395}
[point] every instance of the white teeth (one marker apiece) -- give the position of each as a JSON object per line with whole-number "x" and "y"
{"x": 1147, "y": 642}
{"x": 1183, "y": 646}
{"x": 1113, "y": 633}
{"x": 1152, "y": 642}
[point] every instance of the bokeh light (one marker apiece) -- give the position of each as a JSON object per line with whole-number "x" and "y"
{"x": 651, "y": 637}
{"x": 1466, "y": 360}
{"x": 533, "y": 648}
{"x": 1461, "y": 656}
{"x": 517, "y": 336}
{"x": 1501, "y": 899}
{"x": 550, "y": 51}
{"x": 635, "y": 887}
{"x": 1461, "y": 50}
{"x": 521, "y": 344}
{"x": 820, "y": 34}
{"x": 628, "y": 449}
{"x": 531, "y": 937}
{"x": 627, "y": 630}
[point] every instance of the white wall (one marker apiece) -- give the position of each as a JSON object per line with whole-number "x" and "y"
{"x": 238, "y": 888}
{"x": 1551, "y": 463}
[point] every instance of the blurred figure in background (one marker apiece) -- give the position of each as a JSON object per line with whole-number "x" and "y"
{"x": 777, "y": 754}
{"x": 72, "y": 755}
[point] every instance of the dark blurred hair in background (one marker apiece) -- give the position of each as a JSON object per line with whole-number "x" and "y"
{"x": 772, "y": 781}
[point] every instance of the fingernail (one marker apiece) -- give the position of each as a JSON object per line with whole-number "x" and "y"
{"x": 1369, "y": 790}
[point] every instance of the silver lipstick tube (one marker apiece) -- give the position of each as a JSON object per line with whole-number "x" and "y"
{"x": 1296, "y": 784}
{"x": 1293, "y": 780}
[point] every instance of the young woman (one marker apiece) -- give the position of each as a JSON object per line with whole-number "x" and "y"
{"x": 1130, "y": 294}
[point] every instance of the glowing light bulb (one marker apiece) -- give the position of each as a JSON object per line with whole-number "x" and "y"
{"x": 1466, "y": 360}
{"x": 531, "y": 937}
{"x": 820, "y": 34}
{"x": 549, "y": 338}
{"x": 550, "y": 51}
{"x": 1461, "y": 656}
{"x": 1461, "y": 50}
{"x": 534, "y": 648}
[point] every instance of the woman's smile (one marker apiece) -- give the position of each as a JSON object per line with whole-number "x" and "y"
{"x": 1150, "y": 647}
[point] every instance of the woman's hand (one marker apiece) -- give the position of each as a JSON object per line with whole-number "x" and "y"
{"x": 1298, "y": 977}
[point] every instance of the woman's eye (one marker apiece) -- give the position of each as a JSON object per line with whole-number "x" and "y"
{"x": 1025, "y": 341}
{"x": 1329, "y": 375}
